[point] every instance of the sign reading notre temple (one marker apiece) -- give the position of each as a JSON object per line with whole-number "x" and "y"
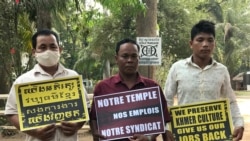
{"x": 45, "y": 102}
{"x": 121, "y": 115}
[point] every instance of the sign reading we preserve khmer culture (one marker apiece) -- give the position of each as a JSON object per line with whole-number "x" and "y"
{"x": 42, "y": 103}
{"x": 208, "y": 121}
{"x": 121, "y": 115}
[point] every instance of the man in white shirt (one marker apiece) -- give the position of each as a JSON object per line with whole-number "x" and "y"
{"x": 200, "y": 78}
{"x": 47, "y": 52}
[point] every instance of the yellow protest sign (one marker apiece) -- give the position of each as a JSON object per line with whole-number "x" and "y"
{"x": 202, "y": 121}
{"x": 45, "y": 102}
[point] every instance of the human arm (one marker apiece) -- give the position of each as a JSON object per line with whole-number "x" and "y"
{"x": 170, "y": 87}
{"x": 237, "y": 118}
{"x": 11, "y": 113}
{"x": 238, "y": 122}
{"x": 87, "y": 98}
{"x": 94, "y": 131}
{"x": 45, "y": 133}
{"x": 170, "y": 91}
{"x": 238, "y": 133}
{"x": 167, "y": 137}
{"x": 70, "y": 128}
{"x": 13, "y": 119}
{"x": 92, "y": 116}
{"x": 139, "y": 137}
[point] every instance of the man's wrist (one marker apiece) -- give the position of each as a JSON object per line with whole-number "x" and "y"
{"x": 32, "y": 132}
{"x": 239, "y": 127}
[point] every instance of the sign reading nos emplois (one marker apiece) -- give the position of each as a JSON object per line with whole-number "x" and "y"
{"x": 150, "y": 50}
{"x": 121, "y": 115}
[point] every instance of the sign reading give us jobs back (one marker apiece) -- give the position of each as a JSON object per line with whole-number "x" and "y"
{"x": 208, "y": 121}
{"x": 47, "y": 102}
{"x": 150, "y": 50}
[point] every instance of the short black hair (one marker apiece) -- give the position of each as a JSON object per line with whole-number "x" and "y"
{"x": 203, "y": 26}
{"x": 126, "y": 40}
{"x": 43, "y": 32}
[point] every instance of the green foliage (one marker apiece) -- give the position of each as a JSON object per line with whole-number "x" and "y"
{"x": 242, "y": 93}
{"x": 107, "y": 31}
{"x": 89, "y": 37}
{"x": 8, "y": 42}
{"x": 117, "y": 7}
{"x": 213, "y": 8}
{"x": 232, "y": 20}
{"x": 162, "y": 71}
{"x": 174, "y": 31}
{"x": 88, "y": 66}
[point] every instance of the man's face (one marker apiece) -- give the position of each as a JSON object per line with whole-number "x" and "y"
{"x": 203, "y": 45}
{"x": 127, "y": 59}
{"x": 46, "y": 42}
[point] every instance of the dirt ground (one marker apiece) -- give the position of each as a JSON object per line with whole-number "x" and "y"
{"x": 243, "y": 101}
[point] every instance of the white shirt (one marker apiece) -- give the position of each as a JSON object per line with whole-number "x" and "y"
{"x": 38, "y": 74}
{"x": 190, "y": 84}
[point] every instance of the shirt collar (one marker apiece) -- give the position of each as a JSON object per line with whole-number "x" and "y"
{"x": 118, "y": 79}
{"x": 189, "y": 61}
{"x": 38, "y": 69}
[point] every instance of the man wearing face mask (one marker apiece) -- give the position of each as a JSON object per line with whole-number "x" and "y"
{"x": 47, "y": 52}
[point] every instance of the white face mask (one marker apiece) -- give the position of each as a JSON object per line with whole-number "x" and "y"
{"x": 48, "y": 58}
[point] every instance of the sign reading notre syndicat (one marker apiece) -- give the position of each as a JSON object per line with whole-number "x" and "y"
{"x": 121, "y": 115}
{"x": 45, "y": 102}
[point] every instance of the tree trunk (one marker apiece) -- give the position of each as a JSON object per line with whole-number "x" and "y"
{"x": 7, "y": 42}
{"x": 43, "y": 18}
{"x": 106, "y": 70}
{"x": 146, "y": 24}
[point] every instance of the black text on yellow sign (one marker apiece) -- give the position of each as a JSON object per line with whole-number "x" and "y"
{"x": 202, "y": 121}
{"x": 47, "y": 102}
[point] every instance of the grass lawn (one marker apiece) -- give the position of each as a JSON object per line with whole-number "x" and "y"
{"x": 242, "y": 93}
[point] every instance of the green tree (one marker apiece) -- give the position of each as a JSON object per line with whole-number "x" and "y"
{"x": 18, "y": 21}
{"x": 6, "y": 30}
{"x": 12, "y": 45}
{"x": 175, "y": 19}
{"x": 146, "y": 26}
{"x": 115, "y": 23}
{"x": 44, "y": 12}
{"x": 232, "y": 24}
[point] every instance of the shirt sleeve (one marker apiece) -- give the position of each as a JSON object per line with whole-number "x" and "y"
{"x": 11, "y": 105}
{"x": 165, "y": 107}
{"x": 227, "y": 92}
{"x": 86, "y": 97}
{"x": 170, "y": 87}
{"x": 92, "y": 109}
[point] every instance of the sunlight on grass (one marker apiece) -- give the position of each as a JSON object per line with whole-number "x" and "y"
{"x": 242, "y": 93}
